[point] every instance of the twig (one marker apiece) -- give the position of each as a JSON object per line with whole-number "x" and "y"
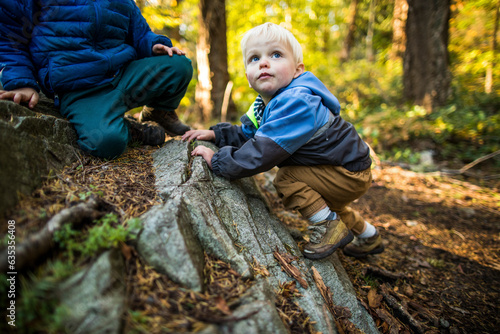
{"x": 290, "y": 269}
{"x": 385, "y": 273}
{"x": 400, "y": 311}
{"x": 479, "y": 160}
{"x": 465, "y": 168}
{"x": 394, "y": 325}
{"x": 340, "y": 314}
{"x": 36, "y": 245}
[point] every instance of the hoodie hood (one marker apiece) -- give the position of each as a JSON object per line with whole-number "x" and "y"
{"x": 310, "y": 81}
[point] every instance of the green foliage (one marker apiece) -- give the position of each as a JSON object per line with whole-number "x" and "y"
{"x": 471, "y": 32}
{"x": 36, "y": 298}
{"x": 140, "y": 322}
{"x": 160, "y": 18}
{"x": 106, "y": 233}
{"x": 38, "y": 309}
{"x": 462, "y": 130}
{"x": 83, "y": 196}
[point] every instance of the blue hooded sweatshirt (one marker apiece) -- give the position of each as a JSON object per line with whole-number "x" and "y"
{"x": 66, "y": 45}
{"x": 301, "y": 125}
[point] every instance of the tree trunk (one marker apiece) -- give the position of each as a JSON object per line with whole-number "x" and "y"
{"x": 426, "y": 75}
{"x": 369, "y": 35}
{"x": 349, "y": 40}
{"x": 398, "y": 29}
{"x": 488, "y": 84}
{"x": 140, "y": 4}
{"x": 211, "y": 54}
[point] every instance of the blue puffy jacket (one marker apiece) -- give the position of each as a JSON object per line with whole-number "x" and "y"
{"x": 301, "y": 125}
{"x": 66, "y": 45}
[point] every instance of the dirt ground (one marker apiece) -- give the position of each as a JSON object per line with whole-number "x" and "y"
{"x": 440, "y": 272}
{"x": 442, "y": 239}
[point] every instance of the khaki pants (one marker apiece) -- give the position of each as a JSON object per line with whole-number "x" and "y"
{"x": 308, "y": 189}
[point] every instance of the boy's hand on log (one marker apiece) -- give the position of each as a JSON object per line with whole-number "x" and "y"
{"x": 205, "y": 152}
{"x": 19, "y": 95}
{"x": 160, "y": 49}
{"x": 208, "y": 135}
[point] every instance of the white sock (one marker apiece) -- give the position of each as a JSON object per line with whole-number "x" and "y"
{"x": 370, "y": 231}
{"x": 323, "y": 214}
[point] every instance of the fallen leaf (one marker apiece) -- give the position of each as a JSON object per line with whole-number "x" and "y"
{"x": 408, "y": 290}
{"x": 374, "y": 299}
{"x": 126, "y": 251}
{"x": 222, "y": 305}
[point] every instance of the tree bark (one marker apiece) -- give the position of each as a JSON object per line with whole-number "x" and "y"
{"x": 488, "y": 84}
{"x": 369, "y": 35}
{"x": 398, "y": 29}
{"x": 426, "y": 76}
{"x": 211, "y": 54}
{"x": 140, "y": 4}
{"x": 345, "y": 54}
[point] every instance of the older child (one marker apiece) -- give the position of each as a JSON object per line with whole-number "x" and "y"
{"x": 95, "y": 59}
{"x": 295, "y": 124}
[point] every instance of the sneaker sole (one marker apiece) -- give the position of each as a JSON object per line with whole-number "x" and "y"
{"x": 377, "y": 250}
{"x": 317, "y": 256}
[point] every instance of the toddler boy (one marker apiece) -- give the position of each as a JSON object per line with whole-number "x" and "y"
{"x": 295, "y": 124}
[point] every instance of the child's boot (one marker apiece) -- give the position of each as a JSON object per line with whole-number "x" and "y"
{"x": 168, "y": 119}
{"x": 148, "y": 133}
{"x": 361, "y": 247}
{"x": 337, "y": 235}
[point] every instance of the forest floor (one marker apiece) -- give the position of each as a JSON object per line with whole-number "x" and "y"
{"x": 440, "y": 272}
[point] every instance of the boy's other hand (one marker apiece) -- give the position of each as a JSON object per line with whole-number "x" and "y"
{"x": 160, "y": 49}
{"x": 208, "y": 135}
{"x": 205, "y": 152}
{"x": 19, "y": 95}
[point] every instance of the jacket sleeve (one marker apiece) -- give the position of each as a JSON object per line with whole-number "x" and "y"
{"x": 290, "y": 122}
{"x": 255, "y": 156}
{"x": 16, "y": 67}
{"x": 141, "y": 37}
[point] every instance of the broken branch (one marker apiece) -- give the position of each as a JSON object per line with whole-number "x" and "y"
{"x": 38, "y": 244}
{"x": 400, "y": 311}
{"x": 340, "y": 314}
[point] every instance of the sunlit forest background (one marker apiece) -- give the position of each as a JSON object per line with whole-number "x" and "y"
{"x": 357, "y": 48}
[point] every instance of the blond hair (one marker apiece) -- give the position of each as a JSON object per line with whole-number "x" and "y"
{"x": 271, "y": 31}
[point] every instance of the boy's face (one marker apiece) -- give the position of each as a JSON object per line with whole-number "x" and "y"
{"x": 270, "y": 65}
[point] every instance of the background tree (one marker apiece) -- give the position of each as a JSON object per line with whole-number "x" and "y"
{"x": 488, "y": 83}
{"x": 426, "y": 74}
{"x": 472, "y": 35}
{"x": 211, "y": 56}
{"x": 349, "y": 39}
{"x": 398, "y": 28}
{"x": 371, "y": 29}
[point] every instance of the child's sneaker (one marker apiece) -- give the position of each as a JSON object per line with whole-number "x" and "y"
{"x": 361, "y": 247}
{"x": 166, "y": 118}
{"x": 147, "y": 133}
{"x": 337, "y": 235}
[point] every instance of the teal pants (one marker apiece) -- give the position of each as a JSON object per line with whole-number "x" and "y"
{"x": 98, "y": 113}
